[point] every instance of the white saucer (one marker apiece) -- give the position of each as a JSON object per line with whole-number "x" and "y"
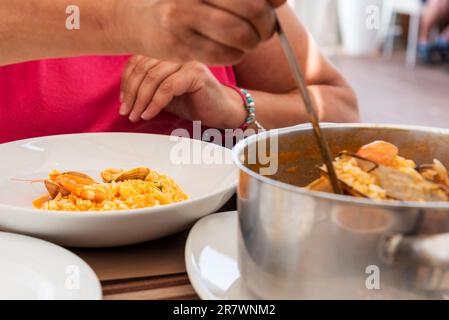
{"x": 211, "y": 259}
{"x": 32, "y": 269}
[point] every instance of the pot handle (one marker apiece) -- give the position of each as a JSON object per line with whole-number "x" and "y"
{"x": 431, "y": 251}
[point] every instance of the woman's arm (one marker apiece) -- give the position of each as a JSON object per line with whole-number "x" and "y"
{"x": 179, "y": 30}
{"x": 35, "y": 29}
{"x": 278, "y": 103}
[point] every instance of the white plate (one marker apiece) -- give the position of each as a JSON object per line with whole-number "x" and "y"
{"x": 33, "y": 269}
{"x": 211, "y": 259}
{"x": 210, "y": 182}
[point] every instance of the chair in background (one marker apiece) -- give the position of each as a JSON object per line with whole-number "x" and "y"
{"x": 391, "y": 9}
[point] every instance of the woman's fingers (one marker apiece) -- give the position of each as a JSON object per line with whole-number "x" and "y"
{"x": 258, "y": 14}
{"x": 174, "y": 86}
{"x": 158, "y": 27}
{"x": 150, "y": 83}
{"x": 163, "y": 96}
{"x": 131, "y": 83}
{"x": 132, "y": 62}
{"x": 233, "y": 31}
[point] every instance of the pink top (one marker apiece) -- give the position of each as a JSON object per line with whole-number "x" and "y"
{"x": 62, "y": 96}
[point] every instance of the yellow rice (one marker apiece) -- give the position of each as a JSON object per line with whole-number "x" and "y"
{"x": 157, "y": 190}
{"x": 351, "y": 174}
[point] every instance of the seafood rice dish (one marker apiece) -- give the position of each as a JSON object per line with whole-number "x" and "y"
{"x": 120, "y": 190}
{"x": 377, "y": 171}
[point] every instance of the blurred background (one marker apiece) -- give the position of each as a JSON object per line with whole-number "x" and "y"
{"x": 395, "y": 53}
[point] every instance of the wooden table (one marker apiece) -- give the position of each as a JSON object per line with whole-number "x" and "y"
{"x": 149, "y": 271}
{"x": 169, "y": 287}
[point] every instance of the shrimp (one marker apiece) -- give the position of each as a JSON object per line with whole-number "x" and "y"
{"x": 79, "y": 188}
{"x": 380, "y": 152}
{"x": 76, "y": 183}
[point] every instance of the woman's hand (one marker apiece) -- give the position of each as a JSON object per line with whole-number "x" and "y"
{"x": 210, "y": 31}
{"x": 188, "y": 90}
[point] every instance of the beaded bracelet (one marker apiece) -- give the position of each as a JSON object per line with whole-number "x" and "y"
{"x": 250, "y": 106}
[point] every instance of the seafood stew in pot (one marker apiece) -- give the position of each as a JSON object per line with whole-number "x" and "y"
{"x": 401, "y": 164}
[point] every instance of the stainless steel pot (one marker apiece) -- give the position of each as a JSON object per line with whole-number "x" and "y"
{"x": 297, "y": 244}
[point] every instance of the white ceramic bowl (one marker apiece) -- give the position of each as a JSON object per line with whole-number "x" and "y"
{"x": 205, "y": 172}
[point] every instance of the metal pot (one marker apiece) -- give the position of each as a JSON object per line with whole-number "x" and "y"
{"x": 297, "y": 244}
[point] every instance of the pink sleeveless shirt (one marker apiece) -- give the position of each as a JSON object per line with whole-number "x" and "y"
{"x": 74, "y": 95}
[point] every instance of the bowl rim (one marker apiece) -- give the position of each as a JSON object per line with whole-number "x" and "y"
{"x": 131, "y": 212}
{"x": 240, "y": 147}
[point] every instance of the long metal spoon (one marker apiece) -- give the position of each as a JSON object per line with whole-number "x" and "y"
{"x": 299, "y": 77}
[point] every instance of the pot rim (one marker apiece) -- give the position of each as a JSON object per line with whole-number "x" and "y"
{"x": 240, "y": 147}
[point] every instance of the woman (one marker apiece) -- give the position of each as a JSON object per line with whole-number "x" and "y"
{"x": 82, "y": 94}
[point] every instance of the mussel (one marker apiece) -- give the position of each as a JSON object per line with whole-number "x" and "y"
{"x": 119, "y": 175}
